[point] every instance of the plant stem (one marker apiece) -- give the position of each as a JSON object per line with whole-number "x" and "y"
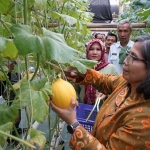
{"x": 63, "y": 29}
{"x": 62, "y": 8}
{"x": 7, "y": 80}
{"x": 49, "y": 124}
{"x": 38, "y": 60}
{"x": 16, "y": 131}
{"x": 55, "y": 125}
{"x": 17, "y": 139}
{"x": 27, "y": 120}
{"x": 2, "y": 22}
{"x": 25, "y": 11}
{"x": 43, "y": 70}
{"x": 46, "y": 22}
{"x": 39, "y": 25}
{"x": 26, "y": 65}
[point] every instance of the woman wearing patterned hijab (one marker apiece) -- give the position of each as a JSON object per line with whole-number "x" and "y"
{"x": 94, "y": 51}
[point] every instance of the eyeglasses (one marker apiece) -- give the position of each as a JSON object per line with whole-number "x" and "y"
{"x": 130, "y": 58}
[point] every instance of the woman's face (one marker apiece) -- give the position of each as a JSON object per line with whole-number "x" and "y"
{"x": 134, "y": 70}
{"x": 95, "y": 52}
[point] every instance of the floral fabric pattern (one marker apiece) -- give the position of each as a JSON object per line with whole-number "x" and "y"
{"x": 123, "y": 123}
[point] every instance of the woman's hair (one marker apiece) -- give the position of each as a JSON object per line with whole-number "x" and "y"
{"x": 96, "y": 34}
{"x": 144, "y": 87}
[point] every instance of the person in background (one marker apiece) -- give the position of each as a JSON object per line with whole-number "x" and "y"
{"x": 110, "y": 39}
{"x": 10, "y": 66}
{"x": 94, "y": 51}
{"x": 9, "y": 95}
{"x": 123, "y": 122}
{"x": 93, "y": 34}
{"x": 104, "y": 38}
{"x": 117, "y": 50}
{"x": 99, "y": 36}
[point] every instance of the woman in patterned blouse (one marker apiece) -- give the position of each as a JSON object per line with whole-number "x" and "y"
{"x": 123, "y": 122}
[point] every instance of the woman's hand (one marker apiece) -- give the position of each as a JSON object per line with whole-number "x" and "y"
{"x": 72, "y": 73}
{"x": 11, "y": 67}
{"x": 101, "y": 96}
{"x": 68, "y": 114}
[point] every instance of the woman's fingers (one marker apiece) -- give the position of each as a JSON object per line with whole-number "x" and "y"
{"x": 67, "y": 114}
{"x": 103, "y": 96}
{"x": 54, "y": 107}
{"x": 73, "y": 103}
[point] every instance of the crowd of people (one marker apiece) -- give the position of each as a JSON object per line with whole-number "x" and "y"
{"x": 116, "y": 45}
{"x": 122, "y": 77}
{"x": 109, "y": 51}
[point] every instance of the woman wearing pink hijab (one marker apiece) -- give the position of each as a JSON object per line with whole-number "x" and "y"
{"x": 94, "y": 51}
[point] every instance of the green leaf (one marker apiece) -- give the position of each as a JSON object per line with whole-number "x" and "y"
{"x": 40, "y": 4}
{"x": 144, "y": 13}
{"x": 6, "y": 128}
{"x": 84, "y": 30}
{"x": 8, "y": 49}
{"x": 70, "y": 20}
{"x": 8, "y": 114}
{"x": 83, "y": 64}
{"x": 80, "y": 67}
{"x": 88, "y": 63}
{"x": 2, "y": 43}
{"x": 35, "y": 94}
{"x": 21, "y": 29}
{"x": 145, "y": 3}
{"x": 1, "y": 148}
{"x": 82, "y": 27}
{"x": 37, "y": 137}
{"x": 122, "y": 54}
{"x": 55, "y": 36}
{"x": 3, "y": 31}
{"x": 58, "y": 51}
{"x": 39, "y": 84}
{"x": 1, "y": 58}
{"x": 15, "y": 10}
{"x": 148, "y": 21}
{"x": 2, "y": 76}
{"x": 124, "y": 15}
{"x": 4, "y": 6}
{"x": 30, "y": 3}
{"x": 5, "y": 68}
{"x": 25, "y": 41}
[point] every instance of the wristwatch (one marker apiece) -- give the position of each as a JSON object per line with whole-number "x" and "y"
{"x": 72, "y": 127}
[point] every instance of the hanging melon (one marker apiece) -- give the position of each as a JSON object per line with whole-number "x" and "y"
{"x": 63, "y": 92}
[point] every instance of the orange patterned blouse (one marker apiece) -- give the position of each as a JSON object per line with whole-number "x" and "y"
{"x": 123, "y": 123}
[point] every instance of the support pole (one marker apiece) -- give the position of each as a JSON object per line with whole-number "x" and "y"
{"x": 114, "y": 25}
{"x": 105, "y": 27}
